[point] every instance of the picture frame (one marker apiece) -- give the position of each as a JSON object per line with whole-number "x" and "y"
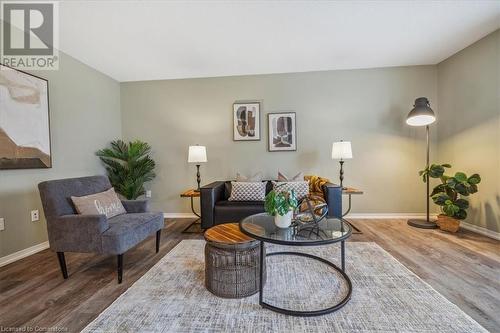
{"x": 246, "y": 121}
{"x": 25, "y": 141}
{"x": 282, "y": 131}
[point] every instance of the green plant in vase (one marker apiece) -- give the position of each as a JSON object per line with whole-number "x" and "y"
{"x": 281, "y": 205}
{"x": 451, "y": 194}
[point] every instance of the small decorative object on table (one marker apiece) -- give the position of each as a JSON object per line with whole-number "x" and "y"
{"x": 449, "y": 194}
{"x": 281, "y": 204}
{"x": 311, "y": 209}
{"x": 197, "y": 154}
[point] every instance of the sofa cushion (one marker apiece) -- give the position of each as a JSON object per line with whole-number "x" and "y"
{"x": 247, "y": 191}
{"x": 233, "y": 211}
{"x": 284, "y": 178}
{"x": 227, "y": 188}
{"x": 127, "y": 230}
{"x": 301, "y": 189}
{"x": 255, "y": 178}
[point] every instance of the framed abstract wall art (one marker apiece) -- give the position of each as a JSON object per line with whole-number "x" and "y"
{"x": 246, "y": 121}
{"x": 282, "y": 131}
{"x": 24, "y": 120}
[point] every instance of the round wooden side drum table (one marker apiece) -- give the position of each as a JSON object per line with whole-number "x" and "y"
{"x": 232, "y": 262}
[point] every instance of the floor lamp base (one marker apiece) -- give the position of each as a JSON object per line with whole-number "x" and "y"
{"x": 423, "y": 224}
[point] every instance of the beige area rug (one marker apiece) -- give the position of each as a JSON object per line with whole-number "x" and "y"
{"x": 386, "y": 297}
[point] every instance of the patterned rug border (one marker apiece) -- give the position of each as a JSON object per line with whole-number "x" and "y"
{"x": 371, "y": 243}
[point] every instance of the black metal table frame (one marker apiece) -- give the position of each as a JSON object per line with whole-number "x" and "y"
{"x": 306, "y": 255}
{"x": 198, "y": 220}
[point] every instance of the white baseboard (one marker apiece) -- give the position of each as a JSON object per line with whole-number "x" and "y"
{"x": 388, "y": 216}
{"x": 23, "y": 253}
{"x": 480, "y": 230}
{"x": 179, "y": 215}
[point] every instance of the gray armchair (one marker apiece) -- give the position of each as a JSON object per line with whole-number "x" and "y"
{"x": 70, "y": 232}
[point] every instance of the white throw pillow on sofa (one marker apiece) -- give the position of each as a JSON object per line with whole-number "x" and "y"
{"x": 301, "y": 189}
{"x": 248, "y": 191}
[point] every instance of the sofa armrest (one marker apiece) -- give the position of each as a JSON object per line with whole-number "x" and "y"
{"x": 136, "y": 206}
{"x": 333, "y": 197}
{"x": 77, "y": 233}
{"x": 209, "y": 195}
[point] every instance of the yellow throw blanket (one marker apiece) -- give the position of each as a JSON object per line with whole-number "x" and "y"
{"x": 316, "y": 185}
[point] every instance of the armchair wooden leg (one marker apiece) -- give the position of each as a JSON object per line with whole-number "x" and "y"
{"x": 62, "y": 264}
{"x": 158, "y": 236}
{"x": 120, "y": 267}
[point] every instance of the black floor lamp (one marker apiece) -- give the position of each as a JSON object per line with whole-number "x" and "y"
{"x": 422, "y": 115}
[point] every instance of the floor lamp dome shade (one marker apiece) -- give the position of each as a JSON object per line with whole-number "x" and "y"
{"x": 421, "y": 114}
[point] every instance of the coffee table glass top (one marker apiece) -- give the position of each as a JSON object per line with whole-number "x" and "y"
{"x": 262, "y": 227}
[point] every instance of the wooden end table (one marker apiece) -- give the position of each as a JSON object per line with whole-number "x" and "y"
{"x": 350, "y": 191}
{"x": 191, "y": 193}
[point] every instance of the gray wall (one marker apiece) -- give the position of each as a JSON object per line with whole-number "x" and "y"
{"x": 469, "y": 123}
{"x": 84, "y": 116}
{"x": 367, "y": 107}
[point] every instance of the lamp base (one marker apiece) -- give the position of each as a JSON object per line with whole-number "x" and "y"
{"x": 423, "y": 224}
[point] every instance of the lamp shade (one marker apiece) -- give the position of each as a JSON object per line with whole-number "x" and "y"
{"x": 421, "y": 114}
{"x": 197, "y": 154}
{"x": 341, "y": 150}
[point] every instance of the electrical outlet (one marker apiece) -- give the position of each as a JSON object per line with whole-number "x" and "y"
{"x": 148, "y": 194}
{"x": 35, "y": 215}
{"x": 2, "y": 223}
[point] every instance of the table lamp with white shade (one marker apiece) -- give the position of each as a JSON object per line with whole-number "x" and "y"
{"x": 341, "y": 151}
{"x": 422, "y": 115}
{"x": 197, "y": 154}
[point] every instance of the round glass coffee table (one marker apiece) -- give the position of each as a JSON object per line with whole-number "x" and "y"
{"x": 327, "y": 231}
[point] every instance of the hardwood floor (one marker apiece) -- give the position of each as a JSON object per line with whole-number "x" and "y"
{"x": 464, "y": 267}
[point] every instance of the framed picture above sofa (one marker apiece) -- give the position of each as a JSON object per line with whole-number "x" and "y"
{"x": 282, "y": 133}
{"x": 24, "y": 120}
{"x": 246, "y": 121}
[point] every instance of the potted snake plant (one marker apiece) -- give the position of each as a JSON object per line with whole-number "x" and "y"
{"x": 281, "y": 205}
{"x": 451, "y": 194}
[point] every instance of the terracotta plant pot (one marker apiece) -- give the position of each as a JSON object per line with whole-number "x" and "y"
{"x": 447, "y": 223}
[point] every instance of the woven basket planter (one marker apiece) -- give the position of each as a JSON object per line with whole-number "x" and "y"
{"x": 447, "y": 223}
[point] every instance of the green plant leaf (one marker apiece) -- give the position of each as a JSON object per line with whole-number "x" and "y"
{"x": 436, "y": 171}
{"x": 440, "y": 199}
{"x": 451, "y": 182}
{"x": 446, "y": 165}
{"x": 474, "y": 179}
{"x": 462, "y": 189}
{"x": 472, "y": 189}
{"x": 438, "y": 189}
{"x": 462, "y": 203}
{"x": 461, "y": 214}
{"x": 461, "y": 177}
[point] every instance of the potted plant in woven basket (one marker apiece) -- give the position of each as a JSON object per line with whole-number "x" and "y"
{"x": 450, "y": 194}
{"x": 281, "y": 205}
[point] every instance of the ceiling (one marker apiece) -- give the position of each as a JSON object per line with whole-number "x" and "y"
{"x": 151, "y": 40}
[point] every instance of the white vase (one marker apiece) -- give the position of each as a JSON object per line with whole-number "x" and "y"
{"x": 283, "y": 221}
